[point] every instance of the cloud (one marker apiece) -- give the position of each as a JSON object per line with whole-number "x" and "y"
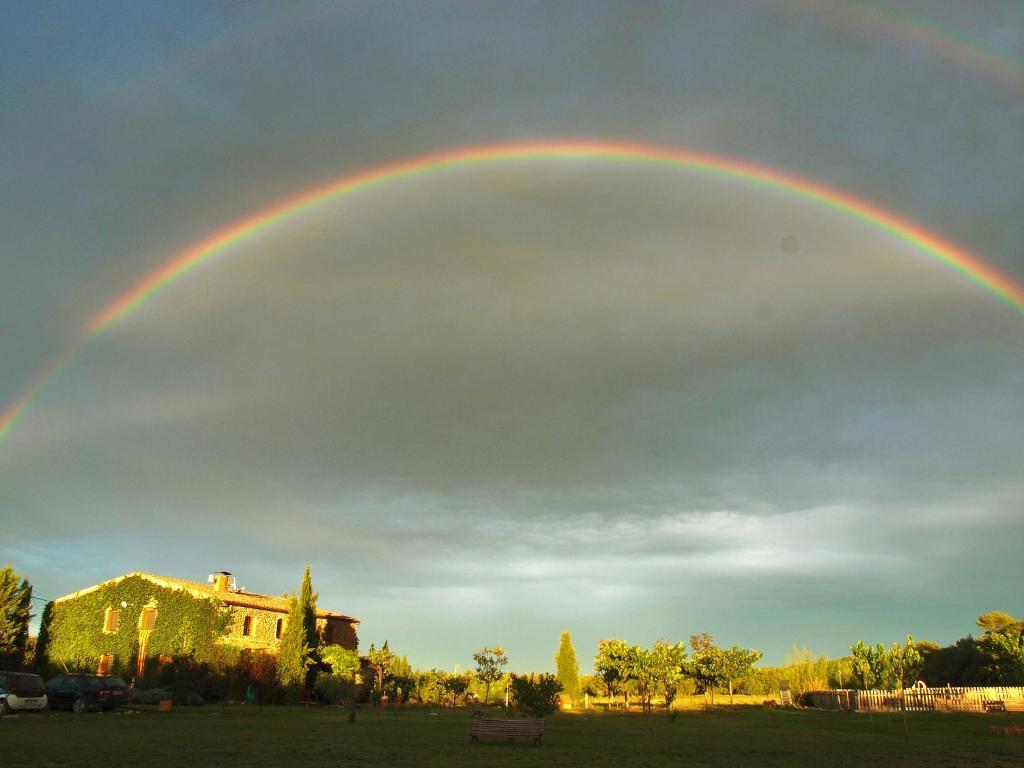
{"x": 538, "y": 388}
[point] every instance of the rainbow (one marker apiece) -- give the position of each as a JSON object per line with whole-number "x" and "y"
{"x": 906, "y": 29}
{"x": 945, "y": 253}
{"x": 940, "y": 41}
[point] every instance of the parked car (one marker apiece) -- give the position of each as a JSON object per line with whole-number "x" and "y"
{"x": 21, "y": 691}
{"x": 81, "y": 692}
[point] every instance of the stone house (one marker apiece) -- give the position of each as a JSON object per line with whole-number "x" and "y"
{"x": 117, "y": 625}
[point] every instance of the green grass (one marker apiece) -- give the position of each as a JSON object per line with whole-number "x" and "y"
{"x": 295, "y": 736}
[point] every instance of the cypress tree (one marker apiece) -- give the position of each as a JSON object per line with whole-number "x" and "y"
{"x": 15, "y": 612}
{"x": 568, "y": 669}
{"x": 307, "y": 599}
{"x": 294, "y": 653}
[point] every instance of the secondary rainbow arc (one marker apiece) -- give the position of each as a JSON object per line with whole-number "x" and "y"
{"x": 931, "y": 245}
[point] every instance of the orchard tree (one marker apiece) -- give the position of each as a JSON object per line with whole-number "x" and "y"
{"x": 535, "y": 695}
{"x": 905, "y": 662}
{"x": 868, "y": 664}
{"x": 611, "y": 662}
{"x": 432, "y": 685}
{"x": 639, "y": 668}
{"x": 667, "y": 661}
{"x": 490, "y": 665}
{"x": 737, "y": 663}
{"x": 890, "y": 668}
{"x": 380, "y": 661}
{"x": 706, "y": 666}
{"x": 457, "y": 685}
{"x": 15, "y": 612}
{"x": 567, "y": 668}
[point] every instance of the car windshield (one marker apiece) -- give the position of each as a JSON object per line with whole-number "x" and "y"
{"x": 113, "y": 682}
{"x": 89, "y": 684}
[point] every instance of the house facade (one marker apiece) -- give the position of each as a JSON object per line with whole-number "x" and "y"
{"x": 119, "y": 625}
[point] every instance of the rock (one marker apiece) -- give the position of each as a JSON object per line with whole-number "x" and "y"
{"x": 195, "y": 700}
{"x": 154, "y": 696}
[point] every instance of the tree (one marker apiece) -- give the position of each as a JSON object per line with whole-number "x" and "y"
{"x": 535, "y": 694}
{"x": 567, "y": 668}
{"x": 637, "y": 667}
{"x": 380, "y": 662}
{"x": 457, "y": 685}
{"x": 402, "y": 678}
{"x": 962, "y": 663}
{"x": 294, "y": 654}
{"x": 890, "y": 668}
{"x": 706, "y": 665}
{"x": 490, "y": 662}
{"x": 15, "y": 613}
{"x": 1002, "y": 647}
{"x": 307, "y": 599}
{"x": 611, "y": 662}
{"x": 868, "y": 664}
{"x": 905, "y": 662}
{"x": 342, "y": 661}
{"x": 737, "y": 663}
{"x": 667, "y": 663}
{"x": 432, "y": 685}
{"x": 998, "y": 621}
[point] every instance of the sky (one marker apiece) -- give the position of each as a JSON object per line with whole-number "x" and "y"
{"x": 490, "y": 402}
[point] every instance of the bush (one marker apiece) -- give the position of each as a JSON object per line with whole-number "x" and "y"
{"x": 335, "y": 689}
{"x": 536, "y": 695}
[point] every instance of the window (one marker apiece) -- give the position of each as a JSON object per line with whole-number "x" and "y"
{"x": 111, "y": 618}
{"x": 148, "y": 618}
{"x": 106, "y": 664}
{"x": 279, "y": 628}
{"x": 247, "y": 626}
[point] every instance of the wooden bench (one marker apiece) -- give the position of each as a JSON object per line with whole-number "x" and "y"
{"x": 508, "y": 728}
{"x": 1007, "y": 730}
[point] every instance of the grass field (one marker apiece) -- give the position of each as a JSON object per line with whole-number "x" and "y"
{"x": 296, "y": 736}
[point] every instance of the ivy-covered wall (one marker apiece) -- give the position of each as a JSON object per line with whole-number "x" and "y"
{"x": 185, "y": 625}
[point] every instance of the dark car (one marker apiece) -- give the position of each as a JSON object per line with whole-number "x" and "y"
{"x": 21, "y": 691}
{"x": 81, "y": 692}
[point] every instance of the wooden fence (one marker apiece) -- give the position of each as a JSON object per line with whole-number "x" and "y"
{"x": 946, "y": 699}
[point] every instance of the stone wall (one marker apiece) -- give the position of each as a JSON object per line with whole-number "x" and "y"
{"x": 263, "y": 631}
{"x": 335, "y": 631}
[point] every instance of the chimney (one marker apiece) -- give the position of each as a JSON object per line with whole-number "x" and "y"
{"x": 222, "y": 581}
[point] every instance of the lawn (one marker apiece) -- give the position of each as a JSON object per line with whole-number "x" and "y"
{"x": 295, "y": 736}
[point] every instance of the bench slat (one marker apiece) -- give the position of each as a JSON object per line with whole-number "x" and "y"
{"x": 507, "y": 728}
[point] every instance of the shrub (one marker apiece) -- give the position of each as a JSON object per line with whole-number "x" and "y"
{"x": 536, "y": 695}
{"x": 335, "y": 689}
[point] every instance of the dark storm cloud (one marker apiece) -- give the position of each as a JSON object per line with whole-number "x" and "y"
{"x": 641, "y": 387}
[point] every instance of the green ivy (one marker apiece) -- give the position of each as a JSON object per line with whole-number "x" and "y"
{"x": 73, "y": 633}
